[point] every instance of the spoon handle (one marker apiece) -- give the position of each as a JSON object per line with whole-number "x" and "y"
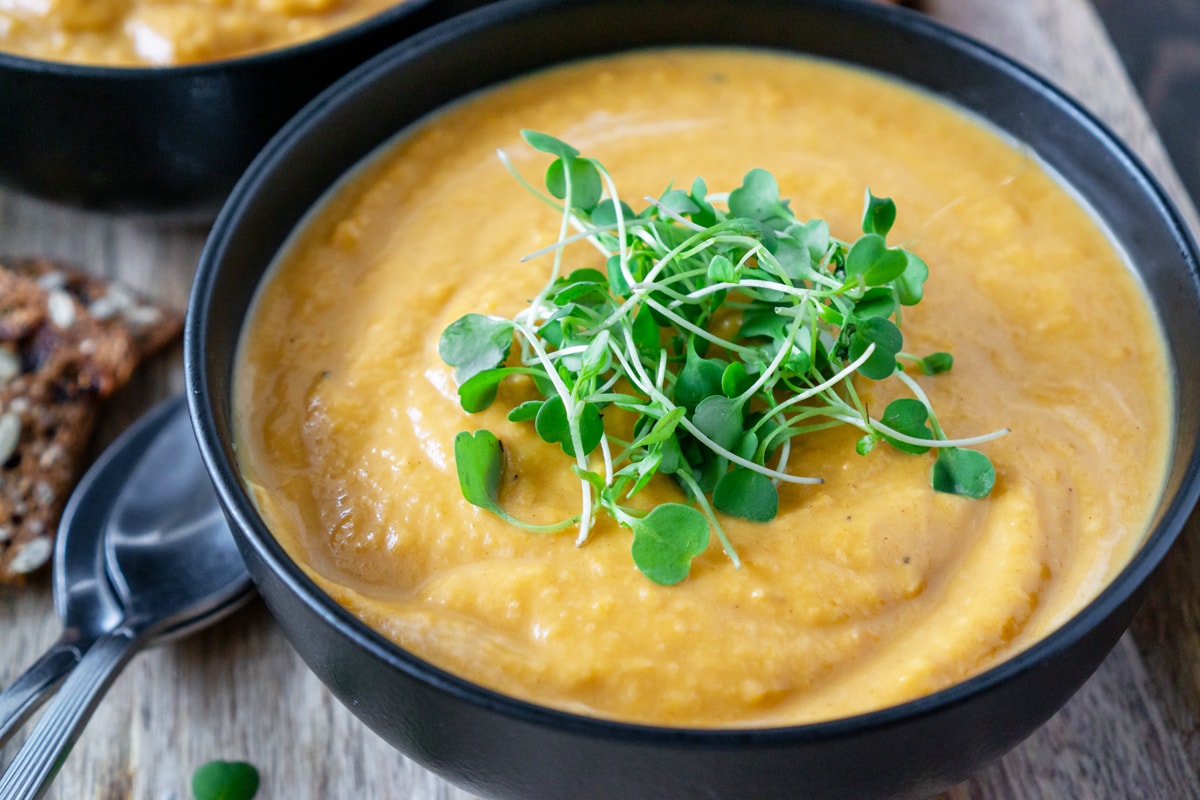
{"x": 25, "y": 694}
{"x": 38, "y": 760}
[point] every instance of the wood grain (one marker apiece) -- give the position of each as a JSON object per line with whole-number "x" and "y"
{"x": 239, "y": 692}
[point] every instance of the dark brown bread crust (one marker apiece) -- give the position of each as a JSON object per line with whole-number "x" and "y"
{"x": 67, "y": 340}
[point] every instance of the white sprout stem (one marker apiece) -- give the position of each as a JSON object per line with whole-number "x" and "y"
{"x": 809, "y": 272}
{"x": 566, "y": 351}
{"x": 607, "y": 385}
{"x": 585, "y": 232}
{"x": 795, "y": 291}
{"x": 682, "y": 220}
{"x": 660, "y": 377}
{"x": 696, "y": 329}
{"x": 537, "y": 304}
{"x": 751, "y": 252}
{"x": 963, "y": 442}
{"x": 785, "y": 452}
{"x": 726, "y": 545}
{"x": 837, "y": 378}
{"x": 919, "y": 393}
{"x": 687, "y": 425}
{"x": 585, "y": 516}
{"x": 608, "y": 460}
{"x": 879, "y": 427}
{"x": 636, "y": 372}
{"x": 594, "y": 241}
{"x": 529, "y": 187}
{"x": 623, "y": 249}
{"x": 754, "y": 283}
{"x": 639, "y": 289}
{"x": 688, "y": 248}
{"x": 642, "y": 381}
{"x": 767, "y": 374}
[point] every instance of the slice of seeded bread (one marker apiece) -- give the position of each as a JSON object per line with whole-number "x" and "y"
{"x": 67, "y": 340}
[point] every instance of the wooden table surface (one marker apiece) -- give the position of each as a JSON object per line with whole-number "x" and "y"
{"x": 239, "y": 692}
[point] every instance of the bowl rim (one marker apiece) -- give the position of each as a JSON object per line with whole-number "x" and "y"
{"x": 1171, "y": 513}
{"x": 258, "y": 58}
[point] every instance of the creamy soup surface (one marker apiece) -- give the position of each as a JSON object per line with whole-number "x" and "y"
{"x": 866, "y": 591}
{"x": 165, "y": 32}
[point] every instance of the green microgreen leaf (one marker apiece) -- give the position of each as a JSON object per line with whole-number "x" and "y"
{"x": 963, "y": 472}
{"x": 554, "y": 426}
{"x": 526, "y": 412}
{"x": 735, "y": 379}
{"x": 605, "y": 214}
{"x": 879, "y": 214}
{"x": 888, "y": 341}
{"x": 747, "y": 446}
{"x": 874, "y": 262}
{"x": 936, "y": 363}
{"x": 703, "y": 327}
{"x": 225, "y": 780}
{"x": 579, "y": 284}
{"x": 910, "y": 286}
{"x": 597, "y": 358}
{"x": 479, "y": 460}
{"x": 474, "y": 343}
{"x": 477, "y": 392}
{"x": 879, "y": 302}
{"x": 678, "y": 202}
{"x": 663, "y": 428}
{"x": 666, "y": 540}
{"x": 798, "y": 361}
{"x": 549, "y": 144}
{"x": 699, "y": 378}
{"x": 908, "y": 416}
{"x": 586, "y": 184}
{"x": 746, "y": 494}
{"x": 645, "y": 333}
{"x": 763, "y": 322}
{"x": 813, "y": 236}
{"x": 672, "y": 456}
{"x": 707, "y": 215}
{"x": 722, "y": 270}
{"x": 720, "y": 419}
{"x": 758, "y": 198}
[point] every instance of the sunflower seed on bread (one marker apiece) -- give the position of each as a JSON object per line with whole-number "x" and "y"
{"x": 67, "y": 340}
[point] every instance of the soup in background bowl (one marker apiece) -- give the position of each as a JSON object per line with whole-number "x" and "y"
{"x": 170, "y": 32}
{"x": 168, "y": 139}
{"x": 870, "y": 679}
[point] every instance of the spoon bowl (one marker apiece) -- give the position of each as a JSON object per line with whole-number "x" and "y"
{"x": 188, "y": 534}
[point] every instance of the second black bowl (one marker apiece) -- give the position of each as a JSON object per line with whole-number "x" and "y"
{"x": 172, "y": 140}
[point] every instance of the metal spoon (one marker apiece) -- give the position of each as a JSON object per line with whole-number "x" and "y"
{"x": 82, "y": 597}
{"x": 160, "y": 555}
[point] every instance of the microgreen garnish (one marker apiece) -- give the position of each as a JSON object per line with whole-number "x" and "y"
{"x": 225, "y": 780}
{"x": 718, "y": 412}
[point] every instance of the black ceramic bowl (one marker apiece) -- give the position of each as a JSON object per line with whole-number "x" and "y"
{"x": 172, "y": 140}
{"x": 502, "y": 747}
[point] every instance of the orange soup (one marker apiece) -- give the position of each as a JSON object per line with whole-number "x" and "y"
{"x": 168, "y": 32}
{"x": 865, "y": 591}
